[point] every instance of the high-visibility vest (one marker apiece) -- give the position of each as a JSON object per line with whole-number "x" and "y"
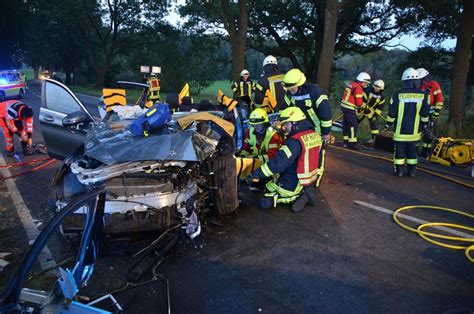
{"x": 264, "y": 146}
{"x": 307, "y": 168}
{"x": 10, "y": 110}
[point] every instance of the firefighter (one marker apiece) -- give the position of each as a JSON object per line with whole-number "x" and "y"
{"x": 436, "y": 101}
{"x": 310, "y": 99}
{"x": 297, "y": 162}
{"x": 17, "y": 118}
{"x": 244, "y": 88}
{"x": 408, "y": 111}
{"x": 262, "y": 141}
{"x": 269, "y": 92}
{"x": 372, "y": 108}
{"x": 351, "y": 100}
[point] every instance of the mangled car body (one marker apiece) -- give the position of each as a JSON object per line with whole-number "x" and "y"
{"x": 152, "y": 183}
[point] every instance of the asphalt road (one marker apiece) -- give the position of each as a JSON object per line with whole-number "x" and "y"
{"x": 335, "y": 257}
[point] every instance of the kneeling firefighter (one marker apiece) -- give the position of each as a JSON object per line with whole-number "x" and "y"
{"x": 297, "y": 162}
{"x": 262, "y": 141}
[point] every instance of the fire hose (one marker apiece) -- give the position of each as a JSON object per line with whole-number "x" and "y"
{"x": 426, "y": 235}
{"x": 47, "y": 161}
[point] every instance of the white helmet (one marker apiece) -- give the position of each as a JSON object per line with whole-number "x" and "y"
{"x": 422, "y": 73}
{"x": 410, "y": 74}
{"x": 269, "y": 60}
{"x": 363, "y": 77}
{"x": 244, "y": 72}
{"x": 380, "y": 84}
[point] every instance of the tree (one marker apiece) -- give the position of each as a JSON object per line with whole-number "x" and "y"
{"x": 297, "y": 30}
{"x": 108, "y": 28}
{"x": 217, "y": 15}
{"x": 461, "y": 62}
{"x": 329, "y": 39}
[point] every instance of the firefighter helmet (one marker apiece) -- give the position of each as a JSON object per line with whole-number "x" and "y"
{"x": 292, "y": 114}
{"x": 363, "y": 77}
{"x": 258, "y": 116}
{"x": 410, "y": 74}
{"x": 269, "y": 60}
{"x": 294, "y": 77}
{"x": 379, "y": 84}
{"x": 422, "y": 73}
{"x": 244, "y": 72}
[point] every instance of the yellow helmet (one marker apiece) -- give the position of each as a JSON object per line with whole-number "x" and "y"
{"x": 294, "y": 77}
{"x": 258, "y": 116}
{"x": 292, "y": 114}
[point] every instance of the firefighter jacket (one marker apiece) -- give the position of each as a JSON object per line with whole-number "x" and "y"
{"x": 311, "y": 100}
{"x": 436, "y": 100}
{"x": 353, "y": 96}
{"x": 373, "y": 103}
{"x": 297, "y": 161}
{"x": 262, "y": 147}
{"x": 271, "y": 80}
{"x": 243, "y": 88}
{"x": 409, "y": 111}
{"x": 10, "y": 113}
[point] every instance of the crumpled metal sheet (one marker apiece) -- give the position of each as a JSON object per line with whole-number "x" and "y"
{"x": 109, "y": 146}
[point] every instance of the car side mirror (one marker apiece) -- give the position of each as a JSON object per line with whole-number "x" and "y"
{"x": 74, "y": 119}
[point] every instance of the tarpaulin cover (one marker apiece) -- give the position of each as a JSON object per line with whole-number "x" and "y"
{"x": 110, "y": 146}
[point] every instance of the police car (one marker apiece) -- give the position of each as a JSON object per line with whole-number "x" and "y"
{"x": 12, "y": 85}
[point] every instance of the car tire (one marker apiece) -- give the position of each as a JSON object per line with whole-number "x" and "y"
{"x": 21, "y": 94}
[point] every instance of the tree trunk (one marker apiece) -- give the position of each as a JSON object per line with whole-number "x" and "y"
{"x": 238, "y": 58}
{"x": 100, "y": 77}
{"x": 329, "y": 39}
{"x": 36, "y": 71}
{"x": 239, "y": 41}
{"x": 461, "y": 62}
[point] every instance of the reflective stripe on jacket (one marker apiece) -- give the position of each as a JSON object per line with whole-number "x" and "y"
{"x": 307, "y": 168}
{"x": 436, "y": 99}
{"x": 408, "y": 109}
{"x": 352, "y": 97}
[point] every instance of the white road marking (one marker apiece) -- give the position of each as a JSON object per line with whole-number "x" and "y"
{"x": 419, "y": 221}
{"x": 45, "y": 258}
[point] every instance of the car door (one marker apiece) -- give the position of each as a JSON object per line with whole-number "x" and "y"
{"x": 57, "y": 101}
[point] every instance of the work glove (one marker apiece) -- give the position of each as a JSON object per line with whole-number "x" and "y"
{"x": 252, "y": 177}
{"x": 27, "y": 149}
{"x": 327, "y": 138}
{"x": 386, "y": 127}
{"x": 435, "y": 115}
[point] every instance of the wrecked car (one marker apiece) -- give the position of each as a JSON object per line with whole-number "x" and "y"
{"x": 153, "y": 182}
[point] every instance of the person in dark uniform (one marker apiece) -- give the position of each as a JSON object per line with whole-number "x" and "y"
{"x": 409, "y": 112}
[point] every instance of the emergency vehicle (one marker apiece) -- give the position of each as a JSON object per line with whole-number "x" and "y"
{"x": 12, "y": 85}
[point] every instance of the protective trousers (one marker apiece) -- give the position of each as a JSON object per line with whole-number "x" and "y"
{"x": 427, "y": 139}
{"x": 405, "y": 152}
{"x": 373, "y": 124}
{"x": 350, "y": 126}
{"x": 281, "y": 195}
{"x": 26, "y": 139}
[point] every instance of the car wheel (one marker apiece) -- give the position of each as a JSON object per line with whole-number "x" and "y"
{"x": 21, "y": 94}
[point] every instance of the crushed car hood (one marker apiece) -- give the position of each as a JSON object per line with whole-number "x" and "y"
{"x": 197, "y": 143}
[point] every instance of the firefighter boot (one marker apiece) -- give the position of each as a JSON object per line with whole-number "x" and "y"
{"x": 411, "y": 170}
{"x": 27, "y": 150}
{"x": 398, "y": 171}
{"x": 300, "y": 203}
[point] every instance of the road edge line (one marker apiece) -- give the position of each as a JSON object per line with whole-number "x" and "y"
{"x": 413, "y": 219}
{"x": 45, "y": 258}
